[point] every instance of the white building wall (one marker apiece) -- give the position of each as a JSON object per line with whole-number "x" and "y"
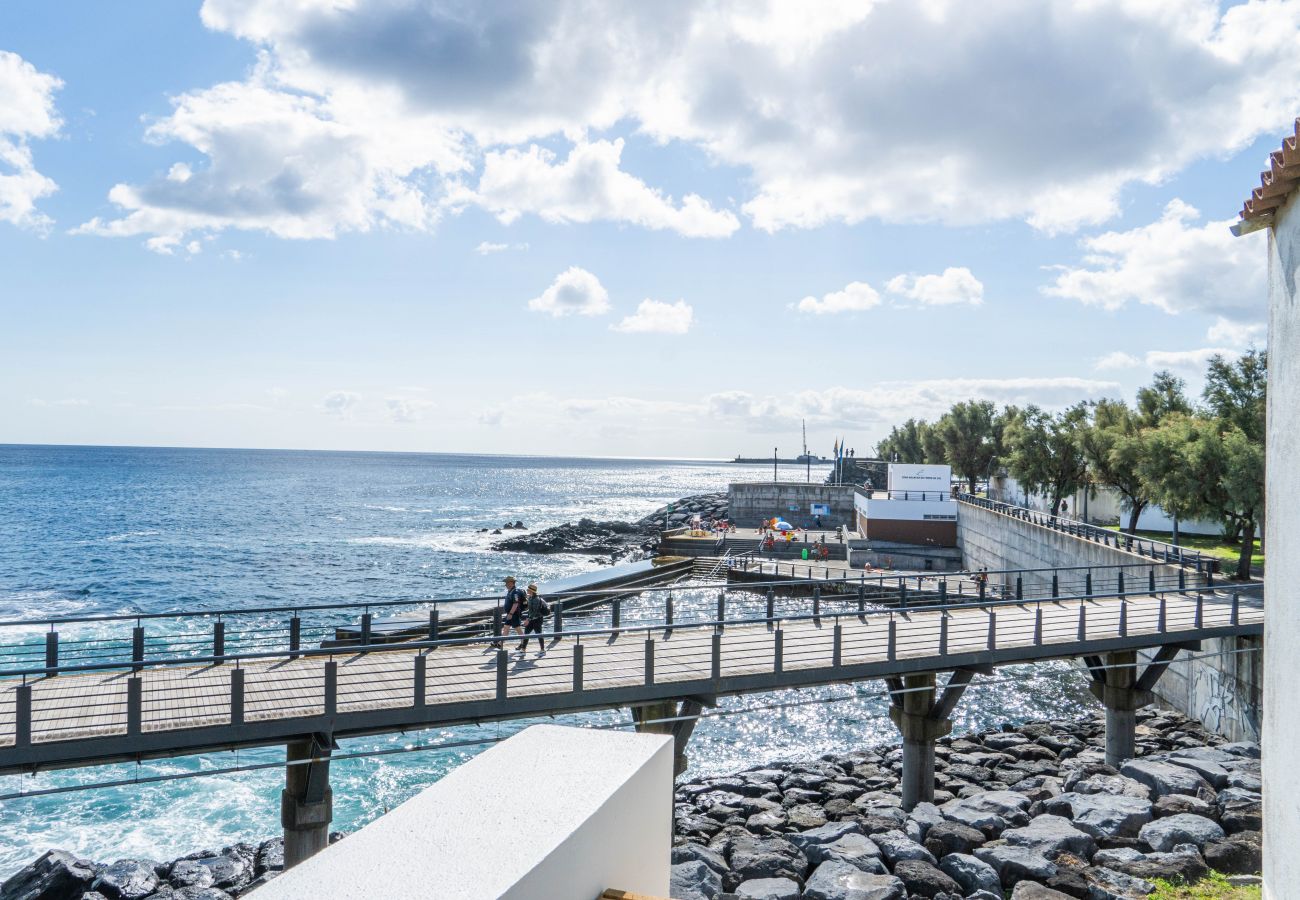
{"x": 1103, "y": 509}
{"x": 1282, "y": 621}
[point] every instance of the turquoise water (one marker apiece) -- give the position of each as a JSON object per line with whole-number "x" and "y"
{"x": 125, "y": 530}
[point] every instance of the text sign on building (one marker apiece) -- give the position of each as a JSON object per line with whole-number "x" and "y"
{"x": 920, "y": 478}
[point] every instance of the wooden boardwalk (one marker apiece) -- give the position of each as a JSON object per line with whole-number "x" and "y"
{"x": 78, "y": 719}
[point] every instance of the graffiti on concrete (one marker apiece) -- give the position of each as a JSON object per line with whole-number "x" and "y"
{"x": 1223, "y": 703}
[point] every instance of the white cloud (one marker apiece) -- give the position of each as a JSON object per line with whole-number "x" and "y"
{"x": 658, "y": 317}
{"x": 491, "y": 417}
{"x": 339, "y": 403}
{"x": 1187, "y": 360}
{"x": 27, "y": 112}
{"x": 574, "y": 291}
{"x": 856, "y": 296}
{"x": 589, "y": 186}
{"x": 66, "y": 401}
{"x": 1237, "y": 334}
{"x": 486, "y": 248}
{"x": 1116, "y": 360}
{"x": 405, "y": 410}
{"x": 1029, "y": 112}
{"x": 955, "y": 286}
{"x": 1173, "y": 265}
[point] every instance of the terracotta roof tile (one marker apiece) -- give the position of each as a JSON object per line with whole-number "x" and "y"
{"x": 1276, "y": 183}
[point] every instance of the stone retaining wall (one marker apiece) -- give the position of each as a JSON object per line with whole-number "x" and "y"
{"x": 750, "y": 503}
{"x": 1224, "y": 691}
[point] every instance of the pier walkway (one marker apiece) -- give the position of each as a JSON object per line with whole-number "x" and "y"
{"x": 664, "y": 667}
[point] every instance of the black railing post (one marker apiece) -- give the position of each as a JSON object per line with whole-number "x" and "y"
{"x": 993, "y": 629}
{"x": 981, "y": 589}
{"x": 902, "y": 592}
{"x": 433, "y": 624}
{"x": 365, "y": 629}
{"x": 219, "y": 640}
{"x": 558, "y": 612}
{"x": 421, "y": 681}
{"x": 577, "y": 666}
{"x": 1087, "y": 584}
{"x": 1038, "y": 625}
{"x": 616, "y": 612}
{"x": 502, "y": 674}
{"x": 134, "y": 705}
{"x": 1182, "y": 580}
{"x": 331, "y": 688}
{"x": 892, "y": 652}
{"x": 1200, "y": 611}
{"x": 771, "y": 606}
{"x": 1123, "y": 617}
{"x": 862, "y": 598}
{"x": 817, "y": 601}
{"x": 649, "y": 660}
{"x": 722, "y": 607}
{"x": 1160, "y": 621}
{"x": 715, "y": 656}
{"x": 236, "y": 696}
{"x": 1119, "y": 582}
{"x": 1020, "y": 587}
{"x": 837, "y": 645}
{"x": 1236, "y": 600}
{"x": 943, "y": 633}
{"x": 23, "y": 716}
{"x": 52, "y": 651}
{"x": 137, "y": 647}
{"x": 668, "y": 611}
{"x": 943, "y": 591}
{"x": 778, "y": 652}
{"x": 1083, "y": 620}
{"x": 1056, "y": 585}
{"x": 295, "y": 637}
{"x": 1151, "y": 579}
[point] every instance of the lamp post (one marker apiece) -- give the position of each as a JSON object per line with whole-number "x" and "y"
{"x": 773, "y": 465}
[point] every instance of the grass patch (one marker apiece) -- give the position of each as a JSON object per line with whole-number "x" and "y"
{"x": 1214, "y": 545}
{"x": 1212, "y": 887}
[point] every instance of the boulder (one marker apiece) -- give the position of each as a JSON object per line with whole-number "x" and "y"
{"x": 230, "y": 871}
{"x": 1107, "y": 884}
{"x": 684, "y": 853}
{"x": 924, "y": 880}
{"x": 972, "y": 874}
{"x": 989, "y": 811}
{"x": 1173, "y": 804}
{"x": 127, "y": 879}
{"x": 270, "y": 857}
{"x": 768, "y": 889}
{"x": 952, "y": 837}
{"x": 1102, "y": 815}
{"x": 896, "y": 846}
{"x": 1184, "y": 828}
{"x": 926, "y": 816}
{"x": 1118, "y": 785}
{"x": 825, "y": 834}
{"x": 188, "y": 873}
{"x": 1167, "y": 778}
{"x": 1052, "y": 835}
{"x": 834, "y": 880}
{"x": 857, "y": 850}
{"x": 56, "y": 874}
{"x": 1240, "y": 854}
{"x": 210, "y": 893}
{"x": 694, "y": 881}
{"x": 1030, "y": 890}
{"x": 1215, "y": 774}
{"x": 805, "y": 816}
{"x": 1014, "y": 864}
{"x": 1183, "y": 863}
{"x": 770, "y": 857}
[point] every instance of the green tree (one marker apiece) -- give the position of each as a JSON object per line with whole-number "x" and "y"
{"x": 1198, "y": 466}
{"x": 905, "y": 443}
{"x": 1164, "y": 396}
{"x": 1044, "y": 451}
{"x": 969, "y": 436}
{"x": 1113, "y": 446}
{"x": 1235, "y": 392}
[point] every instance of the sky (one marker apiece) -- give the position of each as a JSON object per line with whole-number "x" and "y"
{"x": 618, "y": 228}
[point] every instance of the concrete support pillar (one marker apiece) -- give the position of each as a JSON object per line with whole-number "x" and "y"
{"x": 1116, "y": 686}
{"x": 644, "y": 717}
{"x": 307, "y": 804}
{"x": 914, "y": 712}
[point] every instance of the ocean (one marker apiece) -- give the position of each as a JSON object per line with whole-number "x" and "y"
{"x": 89, "y": 530}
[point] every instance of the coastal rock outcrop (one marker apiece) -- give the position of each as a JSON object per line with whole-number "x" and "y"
{"x": 612, "y": 537}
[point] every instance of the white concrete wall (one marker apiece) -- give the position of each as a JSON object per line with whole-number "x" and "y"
{"x": 906, "y": 510}
{"x": 552, "y": 813}
{"x": 1282, "y": 621}
{"x": 921, "y": 478}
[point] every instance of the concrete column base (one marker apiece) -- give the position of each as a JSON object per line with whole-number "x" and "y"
{"x": 914, "y": 713}
{"x": 307, "y": 803}
{"x": 680, "y": 728}
{"x": 1115, "y": 686}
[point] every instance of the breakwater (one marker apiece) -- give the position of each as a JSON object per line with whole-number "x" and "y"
{"x": 1031, "y": 810}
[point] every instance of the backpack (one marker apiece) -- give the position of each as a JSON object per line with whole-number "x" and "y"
{"x": 544, "y": 608}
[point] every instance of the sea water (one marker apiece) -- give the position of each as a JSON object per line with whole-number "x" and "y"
{"x": 91, "y": 530}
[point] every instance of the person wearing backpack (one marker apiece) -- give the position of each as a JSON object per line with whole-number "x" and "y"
{"x": 513, "y": 610}
{"x": 537, "y": 611}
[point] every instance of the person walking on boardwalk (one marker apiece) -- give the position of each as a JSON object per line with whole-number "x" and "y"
{"x": 512, "y": 608}
{"x": 537, "y": 611}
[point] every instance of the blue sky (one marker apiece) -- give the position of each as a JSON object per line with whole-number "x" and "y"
{"x": 601, "y": 229}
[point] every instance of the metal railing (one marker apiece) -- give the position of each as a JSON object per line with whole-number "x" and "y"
{"x": 1160, "y": 551}
{"x": 239, "y": 690}
{"x": 931, "y": 496}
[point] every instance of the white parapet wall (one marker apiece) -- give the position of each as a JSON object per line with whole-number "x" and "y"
{"x": 552, "y": 813}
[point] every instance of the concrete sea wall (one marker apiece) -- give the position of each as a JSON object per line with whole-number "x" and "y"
{"x": 1222, "y": 687}
{"x": 749, "y": 503}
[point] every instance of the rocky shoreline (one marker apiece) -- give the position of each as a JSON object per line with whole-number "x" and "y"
{"x": 616, "y": 538}
{"x": 1031, "y": 812}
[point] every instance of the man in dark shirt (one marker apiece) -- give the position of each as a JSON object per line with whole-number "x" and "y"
{"x": 512, "y": 607}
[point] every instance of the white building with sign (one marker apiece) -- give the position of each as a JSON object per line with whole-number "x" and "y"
{"x": 918, "y": 508}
